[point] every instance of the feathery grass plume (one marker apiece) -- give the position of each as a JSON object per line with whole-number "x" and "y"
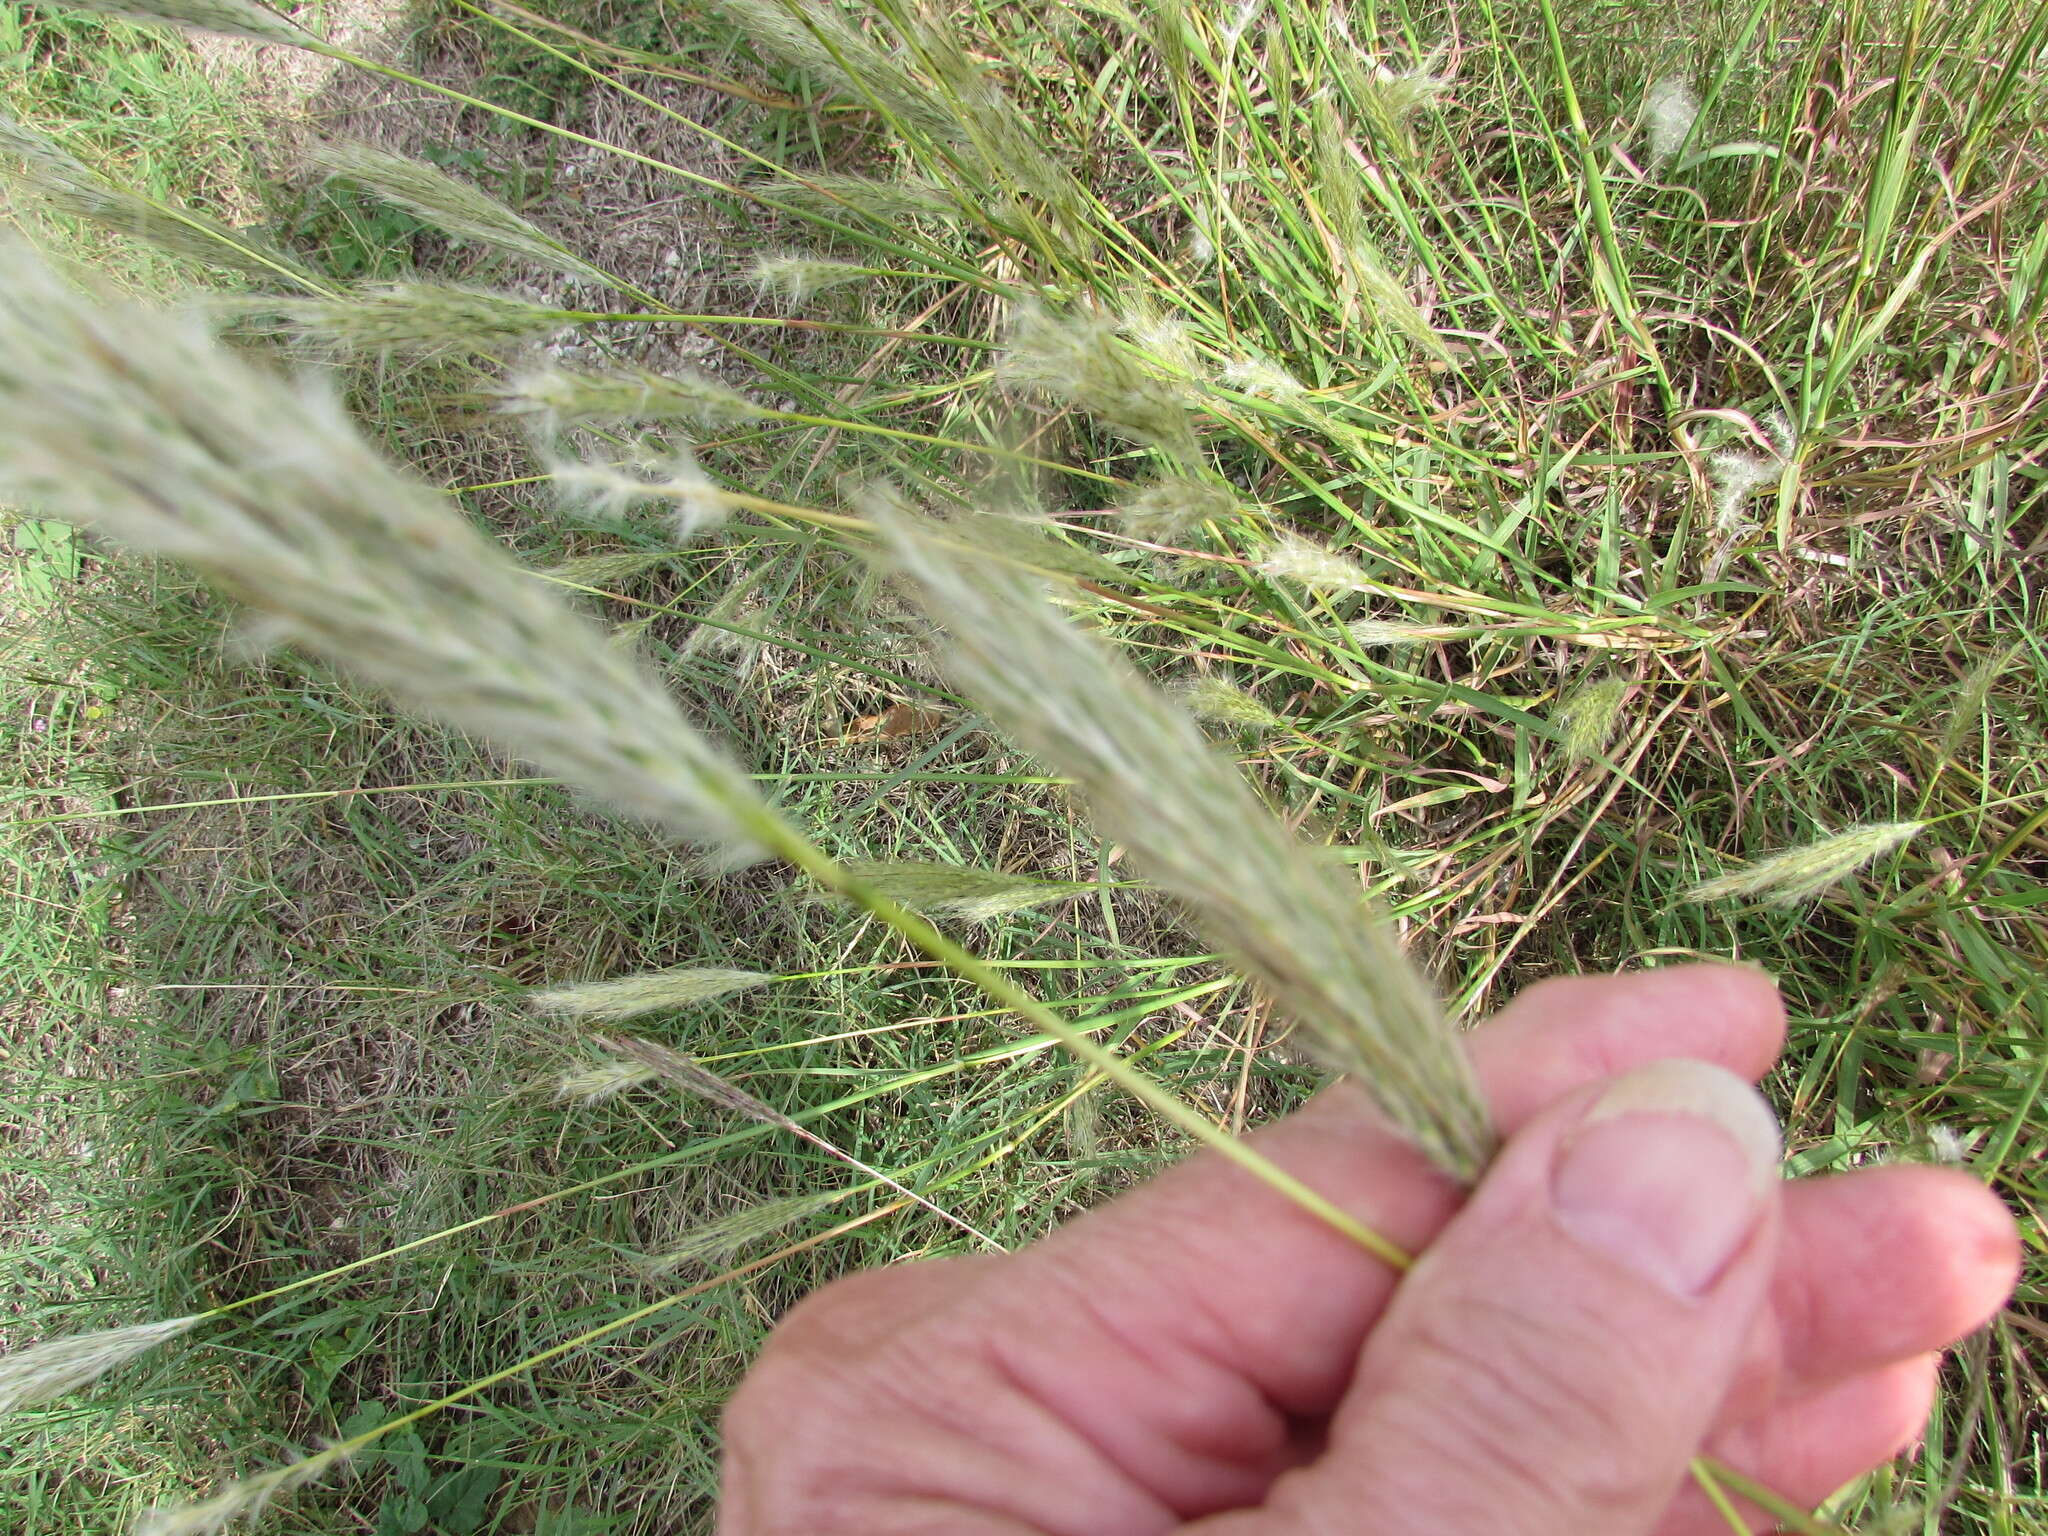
{"x": 66, "y": 185}
{"x": 1737, "y": 474}
{"x": 595, "y": 1083}
{"x": 1965, "y": 716}
{"x": 1080, "y": 360}
{"x": 1369, "y": 633}
{"x": 1788, "y": 878}
{"x": 818, "y": 38}
{"x": 1669, "y": 112}
{"x": 456, "y": 208}
{"x": 1391, "y": 98}
{"x": 1171, "y": 510}
{"x": 895, "y": 200}
{"x": 672, "y": 478}
{"x": 425, "y": 318}
{"x": 1386, "y": 296}
{"x": 1167, "y": 339}
{"x": 628, "y": 997}
{"x": 226, "y": 18}
{"x": 238, "y": 1501}
{"x": 717, "y": 1241}
{"x": 1223, "y": 703}
{"x": 1014, "y": 154}
{"x": 948, "y": 890}
{"x": 62, "y": 1365}
{"x": 560, "y": 397}
{"x": 1587, "y": 716}
{"x": 47, "y": 160}
{"x": 799, "y": 279}
{"x": 1029, "y": 539}
{"x": 178, "y": 231}
{"x": 1309, "y": 564}
{"x": 604, "y": 570}
{"x": 1260, "y": 376}
{"x": 139, "y": 424}
{"x": 1155, "y": 784}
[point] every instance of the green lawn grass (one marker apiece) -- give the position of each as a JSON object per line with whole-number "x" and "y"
{"x": 1736, "y": 422}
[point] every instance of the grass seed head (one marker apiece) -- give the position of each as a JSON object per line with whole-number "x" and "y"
{"x": 948, "y": 890}
{"x": 240, "y": 1500}
{"x": 225, "y": 18}
{"x": 561, "y": 397}
{"x": 717, "y": 1241}
{"x": 796, "y": 280}
{"x": 1370, "y": 633}
{"x": 628, "y": 997}
{"x": 1220, "y": 702}
{"x": 693, "y": 1077}
{"x": 1260, "y": 376}
{"x": 457, "y": 209}
{"x": 1081, "y": 361}
{"x": 137, "y": 423}
{"x": 1172, "y": 510}
{"x": 879, "y": 200}
{"x": 60, "y": 1366}
{"x": 1154, "y": 784}
{"x": 1798, "y": 874}
{"x": 1308, "y": 564}
{"x": 673, "y": 479}
{"x": 1588, "y": 715}
{"x": 1669, "y": 112}
{"x": 602, "y": 1080}
{"x": 424, "y": 318}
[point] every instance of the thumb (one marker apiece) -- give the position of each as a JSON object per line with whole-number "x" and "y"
{"x": 1557, "y": 1356}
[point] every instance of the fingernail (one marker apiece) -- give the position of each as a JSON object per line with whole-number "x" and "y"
{"x": 1668, "y": 1172}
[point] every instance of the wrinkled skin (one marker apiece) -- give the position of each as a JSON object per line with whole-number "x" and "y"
{"x": 1201, "y": 1357}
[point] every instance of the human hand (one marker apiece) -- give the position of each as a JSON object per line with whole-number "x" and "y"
{"x": 1629, "y": 1286}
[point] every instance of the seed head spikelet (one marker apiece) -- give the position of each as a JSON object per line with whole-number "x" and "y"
{"x": 225, "y": 18}
{"x": 1588, "y": 715}
{"x": 1082, "y": 361}
{"x": 716, "y": 1241}
{"x": 879, "y": 200}
{"x": 1221, "y": 702}
{"x": 139, "y": 424}
{"x": 603, "y": 1080}
{"x": 238, "y": 1501}
{"x": 66, "y": 185}
{"x": 457, "y": 209}
{"x": 948, "y": 890}
{"x": 1155, "y": 785}
{"x": 628, "y": 997}
{"x": 1173, "y": 509}
{"x": 1306, "y": 563}
{"x": 1669, "y": 112}
{"x": 1798, "y": 874}
{"x": 426, "y": 318}
{"x": 559, "y": 397}
{"x": 59, "y": 1366}
{"x": 797, "y": 279}
{"x": 1260, "y": 376}
{"x": 673, "y": 479}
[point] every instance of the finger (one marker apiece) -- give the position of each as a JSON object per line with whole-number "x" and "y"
{"x": 1885, "y": 1264}
{"x": 1187, "y": 1262}
{"x": 1564, "y": 1033}
{"x": 1808, "y": 1446}
{"x": 1556, "y": 1359}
